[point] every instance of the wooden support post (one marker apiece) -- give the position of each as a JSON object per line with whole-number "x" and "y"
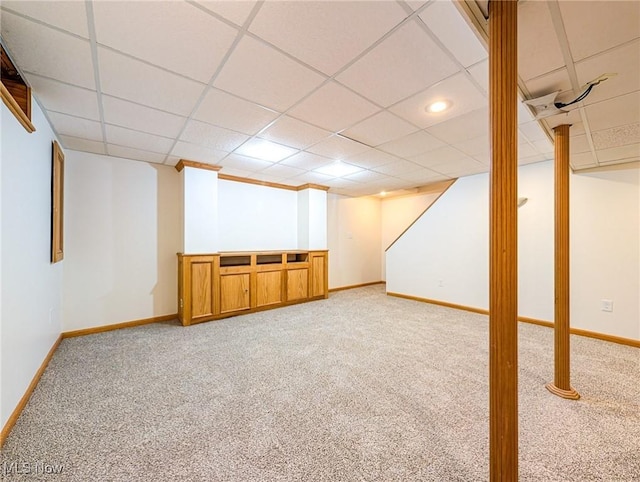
{"x": 562, "y": 385}
{"x": 503, "y": 240}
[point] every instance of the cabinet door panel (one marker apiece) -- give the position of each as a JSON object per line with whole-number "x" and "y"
{"x": 201, "y": 289}
{"x": 234, "y": 292}
{"x": 297, "y": 284}
{"x": 269, "y": 288}
{"x": 317, "y": 276}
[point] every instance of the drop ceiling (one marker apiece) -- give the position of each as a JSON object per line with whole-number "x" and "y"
{"x": 279, "y": 91}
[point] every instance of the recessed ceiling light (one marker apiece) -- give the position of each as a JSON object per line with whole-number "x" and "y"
{"x": 338, "y": 169}
{"x": 383, "y": 193}
{"x": 438, "y": 106}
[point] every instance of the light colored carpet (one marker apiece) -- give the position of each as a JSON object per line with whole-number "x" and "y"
{"x": 358, "y": 387}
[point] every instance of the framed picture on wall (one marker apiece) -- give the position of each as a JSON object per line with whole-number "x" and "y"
{"x": 57, "y": 203}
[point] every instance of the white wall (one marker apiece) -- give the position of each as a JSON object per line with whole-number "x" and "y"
{"x": 312, "y": 219}
{"x": 444, "y": 256}
{"x": 199, "y": 217}
{"x": 397, "y": 215}
{"x": 121, "y": 238}
{"x": 31, "y": 295}
{"x": 253, "y": 218}
{"x": 605, "y": 247}
{"x": 354, "y": 240}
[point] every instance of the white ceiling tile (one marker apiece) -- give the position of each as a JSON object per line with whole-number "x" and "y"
{"x": 235, "y": 172}
{"x": 615, "y": 112}
{"x": 261, "y": 176}
{"x": 134, "y": 116}
{"x": 556, "y": 81}
{"x": 118, "y": 26}
{"x": 292, "y": 132}
{"x": 225, "y": 110}
{"x": 593, "y": 27}
{"x": 337, "y": 147}
{"x": 480, "y": 73}
{"x": 617, "y": 136}
{"x": 333, "y": 107}
{"x": 397, "y": 168}
{"x": 211, "y": 136}
{"x": 624, "y": 61}
{"x": 265, "y": 150}
{"x": 235, "y": 11}
{"x": 194, "y": 152}
{"x": 456, "y": 167}
{"x": 538, "y": 48}
{"x": 571, "y": 117}
{"x": 311, "y": 177}
{"x": 522, "y": 161}
{"x": 367, "y": 176}
{"x": 543, "y": 146}
{"x": 458, "y": 90}
{"x": 262, "y": 74}
{"x": 65, "y": 98}
{"x": 282, "y": 171}
{"x": 578, "y": 144}
{"x": 421, "y": 177}
{"x": 474, "y": 146}
{"x": 446, "y": 22}
{"x": 483, "y": 158}
{"x": 532, "y": 131}
{"x": 380, "y": 128}
{"x": 135, "y": 154}
{"x": 137, "y": 140}
{"x": 626, "y": 153}
{"x": 416, "y": 4}
{"x": 76, "y": 127}
{"x": 527, "y": 150}
{"x": 412, "y": 145}
{"x": 524, "y": 113}
{"x": 582, "y": 160}
{"x": 249, "y": 164}
{"x": 307, "y": 160}
{"x": 386, "y": 76}
{"x": 130, "y": 79}
{"x": 341, "y": 183}
{"x": 438, "y": 156}
{"x": 372, "y": 158}
{"x": 72, "y": 62}
{"x": 84, "y": 145}
{"x": 465, "y": 127}
{"x": 321, "y": 33}
{"x": 70, "y": 16}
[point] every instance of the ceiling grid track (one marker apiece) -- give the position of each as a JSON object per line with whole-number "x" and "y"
{"x": 558, "y": 24}
{"x": 96, "y": 71}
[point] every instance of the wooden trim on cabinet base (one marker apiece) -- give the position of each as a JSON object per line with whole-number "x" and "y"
{"x": 13, "y": 418}
{"x": 574, "y": 331}
{"x": 361, "y": 285}
{"x": 571, "y": 394}
{"x": 118, "y": 326}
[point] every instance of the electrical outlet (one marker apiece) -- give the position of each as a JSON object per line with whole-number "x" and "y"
{"x": 607, "y": 305}
{"x": 50, "y": 316}
{"x": 440, "y": 283}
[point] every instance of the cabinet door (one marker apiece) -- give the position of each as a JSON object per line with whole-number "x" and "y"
{"x": 318, "y": 275}
{"x": 297, "y": 284}
{"x": 268, "y": 288}
{"x": 201, "y": 297}
{"x": 234, "y": 292}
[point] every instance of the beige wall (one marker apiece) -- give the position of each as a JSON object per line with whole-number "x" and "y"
{"x": 122, "y": 233}
{"x": 354, "y": 240}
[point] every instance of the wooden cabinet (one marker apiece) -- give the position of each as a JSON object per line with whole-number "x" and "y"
{"x": 219, "y": 285}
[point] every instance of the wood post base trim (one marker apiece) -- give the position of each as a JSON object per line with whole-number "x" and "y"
{"x": 570, "y": 394}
